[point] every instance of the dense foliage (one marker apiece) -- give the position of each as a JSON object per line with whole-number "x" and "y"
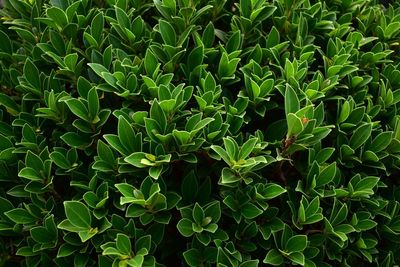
{"x": 199, "y": 133}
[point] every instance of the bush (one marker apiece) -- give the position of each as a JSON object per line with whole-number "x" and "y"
{"x": 199, "y": 133}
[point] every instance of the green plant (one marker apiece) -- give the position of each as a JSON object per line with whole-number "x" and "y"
{"x": 199, "y": 133}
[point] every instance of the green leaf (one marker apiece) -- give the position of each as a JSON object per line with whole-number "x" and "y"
{"x": 296, "y": 243}
{"x": 93, "y": 103}
{"x": 25, "y": 252}
{"x": 41, "y": 235}
{"x": 78, "y": 108}
{"x": 74, "y": 139}
{"x": 158, "y": 115}
{"x": 234, "y": 43}
{"x": 381, "y": 141}
{"x": 201, "y": 124}
{"x": 97, "y": 26}
{"x": 326, "y": 175}
{"x": 344, "y": 112}
{"x": 20, "y": 216}
{"x": 30, "y": 173}
{"x": 208, "y": 35}
{"x": 292, "y": 104}
{"x": 185, "y": 227}
{"x": 360, "y": 135}
{"x": 246, "y": 8}
{"x": 231, "y": 148}
{"x": 229, "y": 176}
{"x": 213, "y": 210}
{"x": 34, "y": 161}
{"x": 289, "y": 70}
{"x": 196, "y": 57}
{"x": 250, "y": 211}
{"x": 340, "y": 216}
{"x": 66, "y": 250}
{"x": 137, "y": 261}
{"x": 367, "y": 224}
{"x": 123, "y": 244}
{"x": 105, "y": 152}
{"x": 78, "y": 214}
{"x": 87, "y": 234}
{"x": 324, "y": 154}
{"x": 189, "y": 186}
{"x": 11, "y": 106}
{"x": 365, "y": 185}
{"x": 192, "y": 257}
{"x": 67, "y": 225}
{"x": 273, "y": 37}
{"x": 247, "y": 148}
{"x": 155, "y": 171}
{"x": 295, "y": 125}
{"x": 273, "y": 257}
{"x": 198, "y": 214}
{"x": 112, "y": 251}
{"x": 297, "y": 257}
{"x": 5, "y": 205}
{"x": 392, "y": 29}
{"x": 301, "y": 213}
{"x": 58, "y": 16}
{"x": 143, "y": 242}
{"x": 115, "y": 143}
{"x": 60, "y": 160}
{"x": 150, "y": 62}
{"x": 168, "y": 105}
{"x": 122, "y": 17}
{"x": 273, "y": 190}
{"x": 250, "y": 263}
{"x": 183, "y": 137}
{"x": 70, "y": 61}
{"x": 126, "y": 134}
{"x": 98, "y": 69}
{"x": 125, "y": 189}
{"x": 167, "y": 33}
{"x": 29, "y": 134}
{"x": 5, "y": 45}
{"x": 152, "y": 129}
{"x": 32, "y": 75}
{"x": 135, "y": 211}
{"x": 222, "y": 153}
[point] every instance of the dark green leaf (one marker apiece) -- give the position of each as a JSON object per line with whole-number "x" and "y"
{"x": 20, "y": 216}
{"x": 273, "y": 257}
{"x": 360, "y": 135}
{"x": 296, "y": 243}
{"x": 78, "y": 214}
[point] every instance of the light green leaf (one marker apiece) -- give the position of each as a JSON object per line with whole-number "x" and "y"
{"x": 295, "y": 125}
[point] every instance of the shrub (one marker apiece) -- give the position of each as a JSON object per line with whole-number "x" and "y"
{"x": 199, "y": 133}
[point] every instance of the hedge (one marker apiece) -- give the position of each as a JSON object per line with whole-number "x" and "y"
{"x": 199, "y": 133}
